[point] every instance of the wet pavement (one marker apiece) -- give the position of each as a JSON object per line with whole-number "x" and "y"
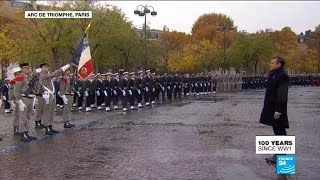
{"x": 206, "y": 137}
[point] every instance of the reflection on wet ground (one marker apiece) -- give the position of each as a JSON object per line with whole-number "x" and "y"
{"x": 202, "y": 137}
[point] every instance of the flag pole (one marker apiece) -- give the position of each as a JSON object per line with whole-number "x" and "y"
{"x": 76, "y": 70}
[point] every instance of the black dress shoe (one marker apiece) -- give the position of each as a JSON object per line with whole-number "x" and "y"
{"x": 68, "y": 125}
{"x": 48, "y": 131}
{"x": 24, "y": 137}
{"x": 52, "y": 130}
{"x": 38, "y": 125}
{"x": 30, "y": 137}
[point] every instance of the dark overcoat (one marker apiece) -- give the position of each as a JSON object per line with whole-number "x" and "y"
{"x": 276, "y": 99}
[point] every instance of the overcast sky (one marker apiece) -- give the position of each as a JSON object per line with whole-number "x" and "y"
{"x": 250, "y": 16}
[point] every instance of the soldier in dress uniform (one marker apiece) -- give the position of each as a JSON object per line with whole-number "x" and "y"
{"x": 49, "y": 95}
{"x": 152, "y": 87}
{"x": 114, "y": 83}
{"x": 79, "y": 88}
{"x": 163, "y": 86}
{"x": 90, "y": 90}
{"x": 107, "y": 91}
{"x": 67, "y": 92}
{"x": 123, "y": 86}
{"x": 17, "y": 73}
{"x": 40, "y": 105}
{"x": 99, "y": 91}
{"x": 132, "y": 91}
{"x": 169, "y": 87}
{"x": 139, "y": 88}
{"x": 146, "y": 87}
{"x": 5, "y": 95}
{"x": 23, "y": 95}
{"x": 157, "y": 86}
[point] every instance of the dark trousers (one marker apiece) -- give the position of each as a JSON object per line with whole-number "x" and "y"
{"x": 146, "y": 95}
{"x": 80, "y": 99}
{"x": 90, "y": 99}
{"x": 139, "y": 96}
{"x": 279, "y": 131}
{"x": 132, "y": 96}
{"x": 115, "y": 97}
{"x": 6, "y": 105}
{"x": 100, "y": 99}
{"x": 107, "y": 97}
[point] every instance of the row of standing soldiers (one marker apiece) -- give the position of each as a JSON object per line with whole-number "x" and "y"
{"x": 296, "y": 80}
{"x": 142, "y": 89}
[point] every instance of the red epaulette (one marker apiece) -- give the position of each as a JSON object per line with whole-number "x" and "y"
{"x": 12, "y": 82}
{"x": 19, "y": 78}
{"x": 65, "y": 80}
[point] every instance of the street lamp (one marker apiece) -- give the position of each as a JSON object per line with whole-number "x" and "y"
{"x": 224, "y": 29}
{"x": 143, "y": 10}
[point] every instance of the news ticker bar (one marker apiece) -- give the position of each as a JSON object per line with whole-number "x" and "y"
{"x": 58, "y": 14}
{"x": 275, "y": 144}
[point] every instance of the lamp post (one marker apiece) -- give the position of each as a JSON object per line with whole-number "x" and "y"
{"x": 224, "y": 29}
{"x": 143, "y": 10}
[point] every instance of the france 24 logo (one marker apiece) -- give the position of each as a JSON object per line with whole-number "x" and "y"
{"x": 286, "y": 164}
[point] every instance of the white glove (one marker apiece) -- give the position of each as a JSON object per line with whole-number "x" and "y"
{"x": 59, "y": 93}
{"x": 22, "y": 106}
{"x": 130, "y": 92}
{"x": 153, "y": 89}
{"x": 46, "y": 96}
{"x": 38, "y": 70}
{"x": 191, "y": 85}
{"x": 169, "y": 87}
{"x": 200, "y": 85}
{"x": 98, "y": 93}
{"x": 174, "y": 86}
{"x": 114, "y": 92}
{"x": 12, "y": 104}
{"x": 65, "y": 99}
{"x": 139, "y": 92}
{"x": 86, "y": 94}
{"x": 4, "y": 98}
{"x": 78, "y": 93}
{"x": 105, "y": 93}
{"x": 124, "y": 92}
{"x": 196, "y": 85}
{"x": 147, "y": 89}
{"x": 35, "y": 101}
{"x": 162, "y": 88}
{"x": 65, "y": 67}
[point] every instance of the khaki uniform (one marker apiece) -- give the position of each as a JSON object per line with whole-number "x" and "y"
{"x": 49, "y": 107}
{"x": 40, "y": 105}
{"x": 21, "y": 88}
{"x": 66, "y": 89}
{"x": 15, "y": 110}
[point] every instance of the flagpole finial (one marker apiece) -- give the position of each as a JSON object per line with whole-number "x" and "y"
{"x": 88, "y": 27}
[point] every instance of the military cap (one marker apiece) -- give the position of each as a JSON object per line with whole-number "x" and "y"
{"x": 43, "y": 64}
{"x": 23, "y": 64}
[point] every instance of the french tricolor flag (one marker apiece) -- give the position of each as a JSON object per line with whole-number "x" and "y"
{"x": 82, "y": 58}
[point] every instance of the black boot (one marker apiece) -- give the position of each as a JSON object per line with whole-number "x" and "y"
{"x": 15, "y": 131}
{"x": 48, "y": 131}
{"x": 68, "y": 125}
{"x": 38, "y": 125}
{"x": 30, "y": 137}
{"x": 272, "y": 159}
{"x": 24, "y": 137}
{"x": 52, "y": 130}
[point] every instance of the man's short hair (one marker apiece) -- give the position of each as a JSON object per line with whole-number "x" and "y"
{"x": 280, "y": 60}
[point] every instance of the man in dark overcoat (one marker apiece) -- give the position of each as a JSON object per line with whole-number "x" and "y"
{"x": 274, "y": 112}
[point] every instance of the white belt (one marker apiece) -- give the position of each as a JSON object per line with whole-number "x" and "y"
{"x": 29, "y": 96}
